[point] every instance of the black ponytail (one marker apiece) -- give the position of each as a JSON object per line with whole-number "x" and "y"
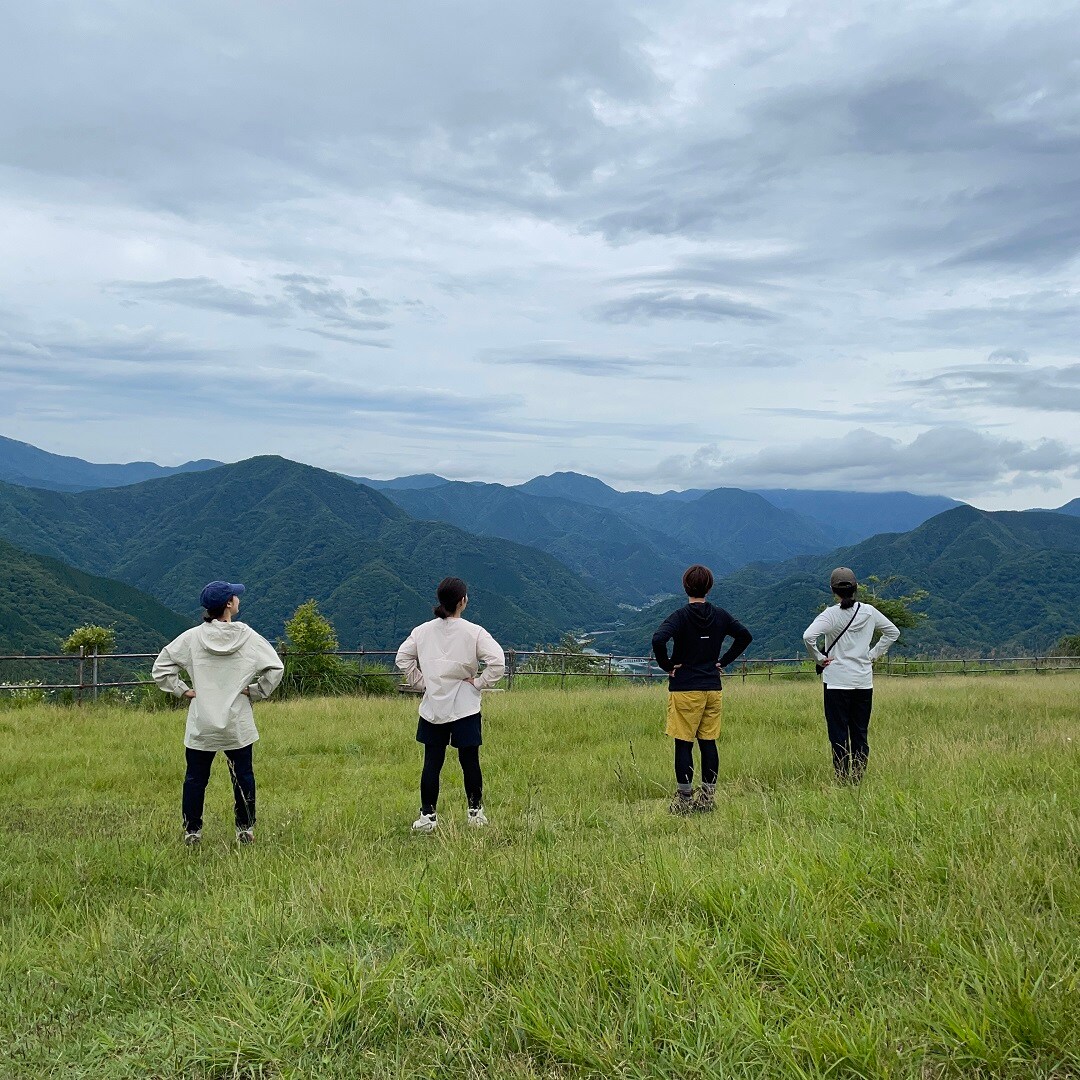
{"x": 846, "y": 595}
{"x": 214, "y": 613}
{"x": 451, "y": 592}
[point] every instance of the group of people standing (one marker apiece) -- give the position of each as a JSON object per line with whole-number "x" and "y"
{"x": 450, "y": 661}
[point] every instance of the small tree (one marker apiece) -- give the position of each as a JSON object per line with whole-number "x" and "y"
{"x": 567, "y": 655}
{"x": 1068, "y": 646}
{"x": 92, "y": 638}
{"x": 897, "y": 609}
{"x": 310, "y": 644}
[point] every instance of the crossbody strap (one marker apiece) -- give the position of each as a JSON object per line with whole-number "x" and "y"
{"x": 842, "y": 632}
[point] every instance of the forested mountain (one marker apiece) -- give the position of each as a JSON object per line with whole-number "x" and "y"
{"x": 997, "y": 581}
{"x": 616, "y": 555}
{"x": 42, "y": 600}
{"x": 632, "y": 545}
{"x": 850, "y": 516}
{"x": 21, "y": 463}
{"x": 291, "y": 532}
{"x": 402, "y": 483}
{"x": 1071, "y": 508}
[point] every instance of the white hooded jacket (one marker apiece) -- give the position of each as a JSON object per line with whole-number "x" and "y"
{"x": 223, "y": 659}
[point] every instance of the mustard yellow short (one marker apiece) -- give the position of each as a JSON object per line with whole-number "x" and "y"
{"x": 694, "y": 714}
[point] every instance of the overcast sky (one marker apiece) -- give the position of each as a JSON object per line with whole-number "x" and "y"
{"x": 672, "y": 245}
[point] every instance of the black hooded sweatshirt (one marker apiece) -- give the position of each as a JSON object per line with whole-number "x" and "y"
{"x": 699, "y": 631}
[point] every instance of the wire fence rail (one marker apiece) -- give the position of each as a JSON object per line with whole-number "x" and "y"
{"x": 530, "y": 667}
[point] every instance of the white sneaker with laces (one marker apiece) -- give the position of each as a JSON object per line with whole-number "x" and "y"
{"x": 245, "y": 836}
{"x": 477, "y": 817}
{"x": 425, "y": 823}
{"x": 192, "y": 838}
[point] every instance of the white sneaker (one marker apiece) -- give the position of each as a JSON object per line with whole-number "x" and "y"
{"x": 425, "y": 823}
{"x": 192, "y": 838}
{"x": 245, "y": 836}
{"x": 477, "y": 817}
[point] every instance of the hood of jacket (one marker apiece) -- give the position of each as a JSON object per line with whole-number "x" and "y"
{"x": 701, "y": 614}
{"x": 223, "y": 638}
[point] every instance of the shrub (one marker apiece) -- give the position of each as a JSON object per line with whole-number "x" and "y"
{"x": 92, "y": 638}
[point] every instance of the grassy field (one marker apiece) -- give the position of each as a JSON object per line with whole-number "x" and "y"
{"x": 924, "y": 925}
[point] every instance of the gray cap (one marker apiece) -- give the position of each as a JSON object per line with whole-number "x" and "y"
{"x": 843, "y": 575}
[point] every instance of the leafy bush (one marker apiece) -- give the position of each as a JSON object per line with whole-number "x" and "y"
{"x": 92, "y": 638}
{"x": 1068, "y": 646}
{"x": 312, "y": 668}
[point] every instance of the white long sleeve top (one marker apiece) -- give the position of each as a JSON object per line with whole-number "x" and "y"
{"x": 439, "y": 657}
{"x": 223, "y": 659}
{"x": 852, "y": 657}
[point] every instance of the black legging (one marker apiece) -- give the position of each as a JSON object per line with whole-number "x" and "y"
{"x": 434, "y": 756}
{"x": 684, "y": 761}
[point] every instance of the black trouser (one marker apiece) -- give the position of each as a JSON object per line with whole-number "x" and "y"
{"x": 847, "y": 714}
{"x": 684, "y": 761}
{"x": 434, "y": 756}
{"x": 198, "y": 775}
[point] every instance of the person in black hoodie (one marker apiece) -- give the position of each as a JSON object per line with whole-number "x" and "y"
{"x": 694, "y": 692}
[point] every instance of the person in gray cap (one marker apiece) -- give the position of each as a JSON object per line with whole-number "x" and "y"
{"x": 230, "y": 666}
{"x": 846, "y": 668}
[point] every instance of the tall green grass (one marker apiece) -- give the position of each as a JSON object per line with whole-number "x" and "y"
{"x": 923, "y": 925}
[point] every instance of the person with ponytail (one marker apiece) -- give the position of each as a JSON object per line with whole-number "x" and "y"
{"x": 847, "y": 672}
{"x": 442, "y": 658}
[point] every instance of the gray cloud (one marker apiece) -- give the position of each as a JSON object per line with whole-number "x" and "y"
{"x": 942, "y": 459}
{"x": 205, "y": 293}
{"x": 1008, "y": 356}
{"x": 702, "y": 307}
{"x": 1049, "y": 389}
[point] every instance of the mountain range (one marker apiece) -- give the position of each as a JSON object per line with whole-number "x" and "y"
{"x": 21, "y": 463}
{"x": 996, "y": 581}
{"x": 634, "y": 545}
{"x": 291, "y": 532}
{"x": 563, "y": 552}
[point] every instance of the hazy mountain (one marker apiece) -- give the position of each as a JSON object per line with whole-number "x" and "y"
{"x": 724, "y": 528}
{"x": 402, "y": 483}
{"x": 42, "y": 600}
{"x": 291, "y": 532}
{"x": 21, "y": 463}
{"x": 1072, "y": 508}
{"x": 573, "y": 486}
{"x": 851, "y": 516}
{"x": 997, "y": 581}
{"x": 622, "y": 559}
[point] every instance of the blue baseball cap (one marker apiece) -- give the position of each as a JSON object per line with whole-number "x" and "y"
{"x": 219, "y": 593}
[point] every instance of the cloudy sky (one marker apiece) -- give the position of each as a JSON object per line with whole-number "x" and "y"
{"x": 673, "y": 244}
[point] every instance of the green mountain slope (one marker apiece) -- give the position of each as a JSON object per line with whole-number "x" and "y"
{"x": 42, "y": 600}
{"x": 291, "y": 532}
{"x": 21, "y": 463}
{"x": 622, "y": 559}
{"x": 725, "y": 528}
{"x": 997, "y": 581}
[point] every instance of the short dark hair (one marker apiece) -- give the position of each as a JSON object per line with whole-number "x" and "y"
{"x": 697, "y": 581}
{"x": 451, "y": 591}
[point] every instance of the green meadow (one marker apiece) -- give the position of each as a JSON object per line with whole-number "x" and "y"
{"x": 923, "y": 925}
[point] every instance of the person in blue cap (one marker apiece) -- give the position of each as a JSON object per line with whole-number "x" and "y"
{"x": 229, "y": 666}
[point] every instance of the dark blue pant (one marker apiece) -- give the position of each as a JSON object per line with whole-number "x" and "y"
{"x": 198, "y": 775}
{"x": 847, "y": 714}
